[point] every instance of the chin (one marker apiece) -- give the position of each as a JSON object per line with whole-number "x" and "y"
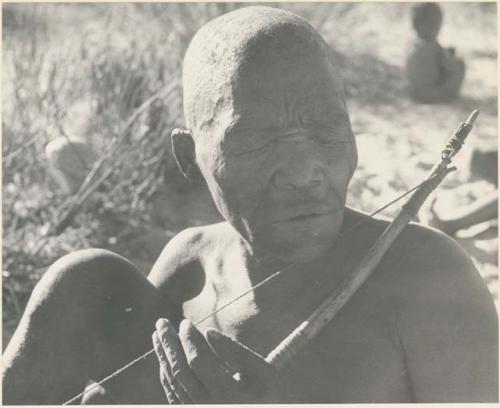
{"x": 311, "y": 251}
{"x": 303, "y": 248}
{"x": 305, "y": 255}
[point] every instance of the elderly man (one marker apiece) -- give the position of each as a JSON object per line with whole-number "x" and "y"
{"x": 268, "y": 130}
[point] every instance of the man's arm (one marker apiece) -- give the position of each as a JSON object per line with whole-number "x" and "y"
{"x": 449, "y": 330}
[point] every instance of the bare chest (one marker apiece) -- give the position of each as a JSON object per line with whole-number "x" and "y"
{"x": 356, "y": 359}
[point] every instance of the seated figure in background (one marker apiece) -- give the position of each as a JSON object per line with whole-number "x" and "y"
{"x": 69, "y": 162}
{"x": 268, "y": 130}
{"x": 435, "y": 74}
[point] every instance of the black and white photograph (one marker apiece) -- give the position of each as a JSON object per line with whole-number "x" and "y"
{"x": 249, "y": 203}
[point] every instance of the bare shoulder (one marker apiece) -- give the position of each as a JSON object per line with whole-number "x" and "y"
{"x": 446, "y": 320}
{"x": 425, "y": 265}
{"x": 431, "y": 264}
{"x": 434, "y": 255}
{"x": 422, "y": 261}
{"x": 178, "y": 271}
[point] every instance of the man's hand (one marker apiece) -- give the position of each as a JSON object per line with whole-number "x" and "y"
{"x": 215, "y": 370}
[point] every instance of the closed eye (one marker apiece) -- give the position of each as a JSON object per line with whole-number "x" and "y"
{"x": 332, "y": 140}
{"x": 336, "y": 134}
{"x": 250, "y": 150}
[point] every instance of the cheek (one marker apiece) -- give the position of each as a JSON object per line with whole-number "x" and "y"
{"x": 338, "y": 178}
{"x": 244, "y": 181}
{"x": 237, "y": 184}
{"x": 211, "y": 165}
{"x": 338, "y": 167}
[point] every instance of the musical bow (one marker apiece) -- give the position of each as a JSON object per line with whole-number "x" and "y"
{"x": 328, "y": 309}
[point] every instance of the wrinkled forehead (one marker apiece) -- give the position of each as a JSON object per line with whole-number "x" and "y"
{"x": 293, "y": 75}
{"x": 255, "y": 55}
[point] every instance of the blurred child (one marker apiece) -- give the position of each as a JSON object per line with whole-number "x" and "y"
{"x": 69, "y": 162}
{"x": 435, "y": 74}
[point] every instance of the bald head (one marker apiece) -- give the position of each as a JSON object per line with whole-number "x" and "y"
{"x": 243, "y": 47}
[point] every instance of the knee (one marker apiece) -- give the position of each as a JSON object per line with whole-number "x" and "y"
{"x": 69, "y": 162}
{"x": 93, "y": 262}
{"x": 88, "y": 265}
{"x": 81, "y": 277}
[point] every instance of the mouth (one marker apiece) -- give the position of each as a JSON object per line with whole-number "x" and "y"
{"x": 306, "y": 216}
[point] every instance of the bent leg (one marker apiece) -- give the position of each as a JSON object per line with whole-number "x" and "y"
{"x": 90, "y": 314}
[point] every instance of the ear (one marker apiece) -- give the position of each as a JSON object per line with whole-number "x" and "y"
{"x": 184, "y": 153}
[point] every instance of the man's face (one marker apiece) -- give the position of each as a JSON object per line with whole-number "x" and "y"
{"x": 278, "y": 157}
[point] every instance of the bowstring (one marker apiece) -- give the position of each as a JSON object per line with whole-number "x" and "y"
{"x": 149, "y": 352}
{"x": 238, "y": 297}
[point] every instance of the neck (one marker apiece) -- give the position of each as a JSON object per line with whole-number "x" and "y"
{"x": 260, "y": 264}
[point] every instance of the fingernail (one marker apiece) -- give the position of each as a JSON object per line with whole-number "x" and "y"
{"x": 186, "y": 323}
{"x": 161, "y": 324}
{"x": 215, "y": 338}
{"x": 213, "y": 334}
{"x": 187, "y": 330}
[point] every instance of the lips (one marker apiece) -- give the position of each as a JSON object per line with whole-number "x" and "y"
{"x": 304, "y": 217}
{"x": 303, "y": 214}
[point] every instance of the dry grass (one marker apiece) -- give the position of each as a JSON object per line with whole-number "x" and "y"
{"x": 110, "y": 73}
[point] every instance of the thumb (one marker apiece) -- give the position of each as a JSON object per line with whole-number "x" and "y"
{"x": 240, "y": 357}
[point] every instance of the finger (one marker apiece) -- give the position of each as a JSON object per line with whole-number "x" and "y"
{"x": 172, "y": 388}
{"x": 173, "y": 383}
{"x": 179, "y": 366}
{"x": 202, "y": 360}
{"x": 171, "y": 397}
{"x": 242, "y": 358}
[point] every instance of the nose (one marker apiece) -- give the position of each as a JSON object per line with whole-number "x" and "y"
{"x": 297, "y": 171}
